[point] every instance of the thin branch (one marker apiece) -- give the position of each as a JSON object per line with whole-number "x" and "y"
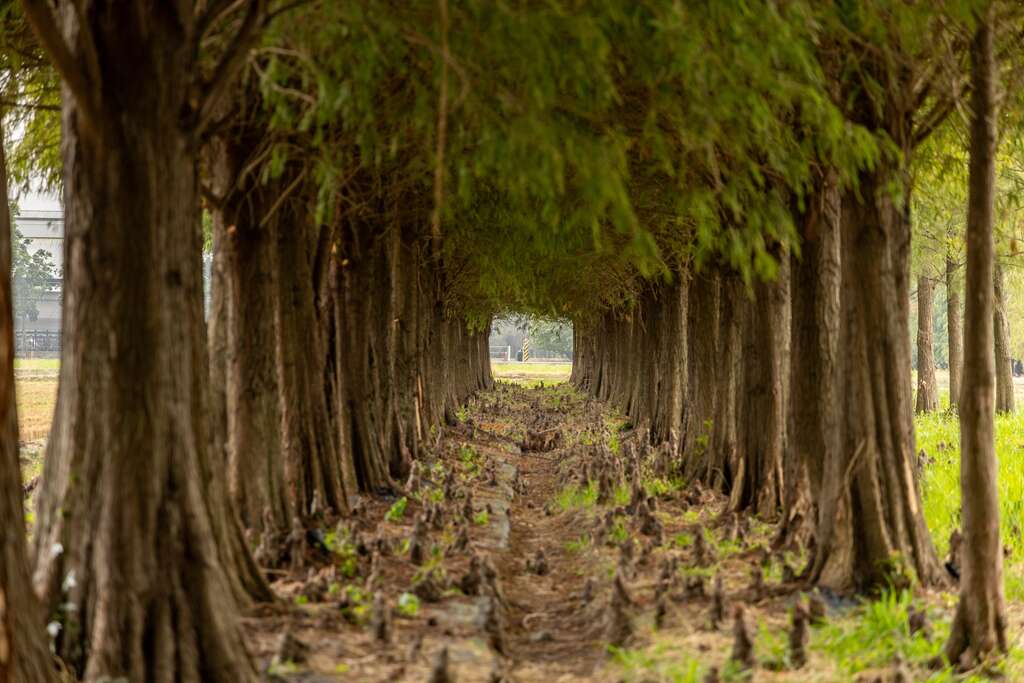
{"x": 29, "y": 106}
{"x": 283, "y": 196}
{"x": 44, "y": 24}
{"x": 229, "y": 65}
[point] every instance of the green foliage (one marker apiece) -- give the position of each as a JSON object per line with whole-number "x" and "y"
{"x": 939, "y": 437}
{"x": 879, "y": 632}
{"x": 579, "y": 544}
{"x": 573, "y": 497}
{"x": 32, "y": 273}
{"x": 408, "y": 605}
{"x": 397, "y": 510}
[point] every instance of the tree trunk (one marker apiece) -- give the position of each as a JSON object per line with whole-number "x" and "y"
{"x": 723, "y": 463}
{"x": 314, "y": 468}
{"x": 24, "y": 657}
{"x": 814, "y": 438}
{"x": 246, "y": 243}
{"x": 953, "y": 329}
{"x": 1004, "y": 364}
{"x": 927, "y": 388}
{"x": 979, "y": 627}
{"x": 130, "y": 558}
{"x": 759, "y": 481}
{"x": 702, "y": 364}
{"x": 870, "y": 507}
{"x": 671, "y": 375}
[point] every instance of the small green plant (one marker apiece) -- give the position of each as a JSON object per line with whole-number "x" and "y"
{"x": 579, "y": 544}
{"x": 877, "y": 633}
{"x": 573, "y": 497}
{"x": 683, "y": 540}
{"x": 470, "y": 461}
{"x": 284, "y": 668}
{"x": 619, "y": 534}
{"x": 462, "y": 414}
{"x": 481, "y": 518}
{"x": 397, "y": 510}
{"x": 408, "y": 605}
{"x": 613, "y": 444}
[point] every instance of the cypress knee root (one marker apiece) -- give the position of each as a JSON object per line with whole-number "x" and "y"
{"x": 742, "y": 644}
{"x": 380, "y": 619}
{"x": 798, "y": 636}
{"x": 439, "y": 672}
{"x": 716, "y": 614}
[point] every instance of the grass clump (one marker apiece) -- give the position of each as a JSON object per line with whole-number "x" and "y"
{"x": 397, "y": 510}
{"x": 575, "y": 497}
{"x": 877, "y": 633}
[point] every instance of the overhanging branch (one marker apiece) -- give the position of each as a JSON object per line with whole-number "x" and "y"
{"x": 41, "y": 18}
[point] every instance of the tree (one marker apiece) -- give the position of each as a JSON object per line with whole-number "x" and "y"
{"x": 979, "y": 627}
{"x": 927, "y": 385}
{"x": 954, "y": 332}
{"x": 131, "y": 496}
{"x": 1001, "y": 344}
{"x": 24, "y": 656}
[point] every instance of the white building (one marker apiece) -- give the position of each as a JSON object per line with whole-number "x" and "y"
{"x": 45, "y": 231}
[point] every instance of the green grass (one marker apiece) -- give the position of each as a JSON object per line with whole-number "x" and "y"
{"x": 574, "y": 497}
{"x": 36, "y": 363}
{"x": 938, "y": 436}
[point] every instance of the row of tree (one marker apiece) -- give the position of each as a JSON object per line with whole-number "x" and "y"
{"x": 708, "y": 190}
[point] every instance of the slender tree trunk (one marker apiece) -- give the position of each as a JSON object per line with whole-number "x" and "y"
{"x": 134, "y": 557}
{"x": 1004, "y": 364}
{"x": 953, "y": 329}
{"x": 24, "y": 657}
{"x": 815, "y": 324}
{"x": 979, "y": 627}
{"x": 927, "y": 388}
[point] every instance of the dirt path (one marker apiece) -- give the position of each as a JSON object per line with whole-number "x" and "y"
{"x": 592, "y": 543}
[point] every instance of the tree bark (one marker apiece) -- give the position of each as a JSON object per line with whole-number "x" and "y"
{"x": 870, "y": 507}
{"x": 723, "y": 465}
{"x": 702, "y": 364}
{"x": 955, "y": 332}
{"x": 1004, "y": 363}
{"x": 134, "y": 544}
{"x": 24, "y": 657}
{"x": 313, "y": 463}
{"x": 814, "y": 438}
{"x": 759, "y": 482}
{"x": 927, "y": 388}
{"x": 245, "y": 240}
{"x": 979, "y": 627}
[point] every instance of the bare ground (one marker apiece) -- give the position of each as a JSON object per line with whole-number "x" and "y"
{"x": 556, "y": 624}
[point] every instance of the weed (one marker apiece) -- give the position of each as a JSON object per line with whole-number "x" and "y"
{"x": 408, "y": 605}
{"x": 579, "y": 544}
{"x": 481, "y": 518}
{"x": 573, "y": 497}
{"x": 470, "y": 460}
{"x": 397, "y": 510}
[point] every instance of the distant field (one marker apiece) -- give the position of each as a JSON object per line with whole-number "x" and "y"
{"x": 36, "y": 363}
{"x": 36, "y": 399}
{"x": 532, "y": 373}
